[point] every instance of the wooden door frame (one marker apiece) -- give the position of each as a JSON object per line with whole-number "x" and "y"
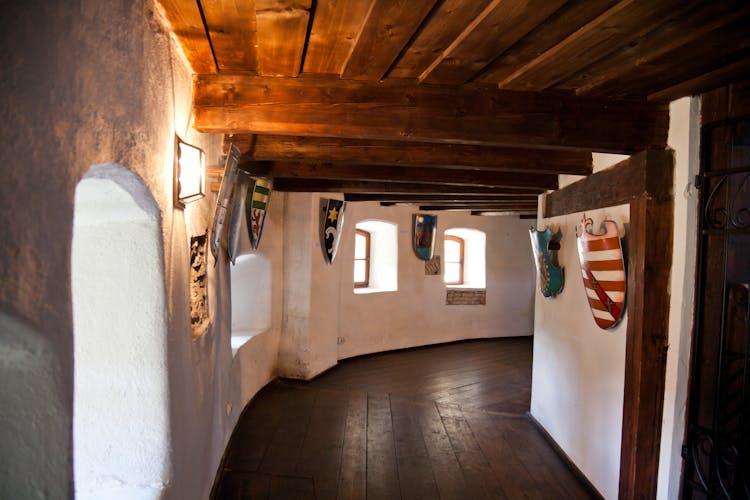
{"x": 644, "y": 181}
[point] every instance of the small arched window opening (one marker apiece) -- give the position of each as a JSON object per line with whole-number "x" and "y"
{"x": 361, "y": 259}
{"x": 453, "y": 250}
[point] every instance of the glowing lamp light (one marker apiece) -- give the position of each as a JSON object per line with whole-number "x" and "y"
{"x": 189, "y": 173}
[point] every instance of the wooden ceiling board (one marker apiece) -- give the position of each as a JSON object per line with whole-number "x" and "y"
{"x": 335, "y": 27}
{"x": 683, "y": 28}
{"x": 446, "y": 23}
{"x": 705, "y": 82}
{"x": 497, "y": 28}
{"x": 567, "y": 20}
{"x": 405, "y": 174}
{"x": 389, "y": 26}
{"x": 725, "y": 45}
{"x": 613, "y": 29}
{"x": 331, "y": 149}
{"x": 231, "y": 26}
{"x": 188, "y": 28}
{"x": 367, "y": 110}
{"x": 282, "y": 33}
{"x": 395, "y": 186}
{"x": 488, "y": 207}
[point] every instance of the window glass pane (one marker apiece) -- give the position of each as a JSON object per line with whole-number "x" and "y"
{"x": 452, "y": 251}
{"x": 359, "y": 271}
{"x": 452, "y": 272}
{"x": 360, "y": 246}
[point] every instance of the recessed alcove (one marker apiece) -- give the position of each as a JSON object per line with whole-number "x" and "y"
{"x": 121, "y": 437}
{"x": 251, "y": 298}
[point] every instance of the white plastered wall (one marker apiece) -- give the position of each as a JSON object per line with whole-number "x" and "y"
{"x": 324, "y": 320}
{"x": 88, "y": 83}
{"x": 578, "y": 372}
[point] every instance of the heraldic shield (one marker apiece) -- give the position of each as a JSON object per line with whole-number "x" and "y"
{"x": 603, "y": 270}
{"x": 331, "y": 224}
{"x": 545, "y": 245}
{"x": 255, "y": 210}
{"x": 425, "y": 227}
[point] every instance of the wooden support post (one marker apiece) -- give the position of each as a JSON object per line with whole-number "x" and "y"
{"x": 645, "y": 182}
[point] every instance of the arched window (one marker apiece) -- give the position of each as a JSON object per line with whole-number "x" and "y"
{"x": 375, "y": 257}
{"x": 361, "y": 259}
{"x": 464, "y": 258}
{"x": 453, "y": 251}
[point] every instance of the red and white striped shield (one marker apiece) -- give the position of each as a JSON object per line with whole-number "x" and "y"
{"x": 603, "y": 270}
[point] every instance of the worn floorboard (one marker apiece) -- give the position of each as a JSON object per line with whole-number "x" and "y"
{"x": 442, "y": 422}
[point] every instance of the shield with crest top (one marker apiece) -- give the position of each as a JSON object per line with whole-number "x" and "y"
{"x": 603, "y": 270}
{"x": 255, "y": 210}
{"x": 331, "y": 223}
{"x": 545, "y": 245}
{"x": 425, "y": 227}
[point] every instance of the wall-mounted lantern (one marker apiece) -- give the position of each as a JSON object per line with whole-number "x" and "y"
{"x": 189, "y": 173}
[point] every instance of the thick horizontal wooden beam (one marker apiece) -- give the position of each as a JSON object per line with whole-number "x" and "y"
{"x": 487, "y": 206}
{"x": 648, "y": 173}
{"x": 366, "y": 151}
{"x": 456, "y": 177}
{"x": 521, "y": 214}
{"x": 437, "y": 198}
{"x": 334, "y": 186}
{"x": 405, "y": 111}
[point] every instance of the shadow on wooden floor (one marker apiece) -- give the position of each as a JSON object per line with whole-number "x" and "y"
{"x": 443, "y": 421}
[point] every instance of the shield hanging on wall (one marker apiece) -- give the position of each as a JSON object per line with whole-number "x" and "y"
{"x": 223, "y": 200}
{"x": 255, "y": 210}
{"x": 239, "y": 200}
{"x": 545, "y": 245}
{"x": 331, "y": 224}
{"x": 425, "y": 227}
{"x": 603, "y": 270}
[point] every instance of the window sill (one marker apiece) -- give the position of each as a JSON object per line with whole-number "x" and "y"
{"x": 368, "y": 290}
{"x": 466, "y": 287}
{"x": 242, "y": 337}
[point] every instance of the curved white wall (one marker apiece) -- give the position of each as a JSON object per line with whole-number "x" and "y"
{"x": 120, "y": 406}
{"x": 251, "y": 297}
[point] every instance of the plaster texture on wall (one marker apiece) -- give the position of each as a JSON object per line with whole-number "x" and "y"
{"x": 684, "y": 138}
{"x": 121, "y": 423}
{"x": 579, "y": 369}
{"x": 31, "y": 432}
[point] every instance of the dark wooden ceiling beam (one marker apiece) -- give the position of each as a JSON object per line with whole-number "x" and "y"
{"x": 338, "y": 186}
{"x": 705, "y": 82}
{"x": 455, "y": 177}
{"x": 624, "y": 22}
{"x": 437, "y": 198}
{"x": 364, "y": 151}
{"x": 496, "y": 29}
{"x": 404, "y": 111}
{"x": 387, "y": 29}
{"x": 521, "y": 214}
{"x": 488, "y": 206}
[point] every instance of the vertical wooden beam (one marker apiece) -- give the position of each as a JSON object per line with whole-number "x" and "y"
{"x": 649, "y": 268}
{"x": 645, "y": 182}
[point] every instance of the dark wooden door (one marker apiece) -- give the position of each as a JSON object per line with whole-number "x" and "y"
{"x": 718, "y": 435}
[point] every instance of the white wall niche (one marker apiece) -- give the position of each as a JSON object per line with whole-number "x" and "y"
{"x": 121, "y": 433}
{"x": 251, "y": 298}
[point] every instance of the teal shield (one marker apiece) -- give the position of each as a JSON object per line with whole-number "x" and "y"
{"x": 545, "y": 245}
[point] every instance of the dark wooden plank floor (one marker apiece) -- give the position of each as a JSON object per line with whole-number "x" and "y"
{"x": 437, "y": 422}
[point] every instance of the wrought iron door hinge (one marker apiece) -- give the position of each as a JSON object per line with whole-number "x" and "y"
{"x": 684, "y": 451}
{"x": 698, "y": 181}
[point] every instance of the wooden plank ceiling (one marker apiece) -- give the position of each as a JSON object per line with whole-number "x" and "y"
{"x": 448, "y": 104}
